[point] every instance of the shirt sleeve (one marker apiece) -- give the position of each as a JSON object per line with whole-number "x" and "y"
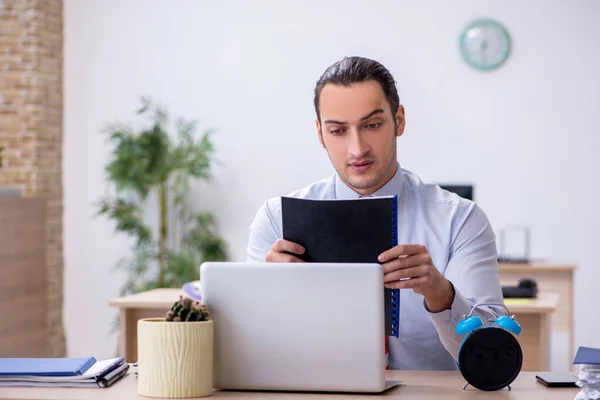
{"x": 473, "y": 271}
{"x": 263, "y": 233}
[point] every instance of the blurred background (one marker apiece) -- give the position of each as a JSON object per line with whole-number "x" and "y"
{"x": 524, "y": 136}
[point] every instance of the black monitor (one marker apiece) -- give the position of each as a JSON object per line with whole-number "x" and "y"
{"x": 464, "y": 191}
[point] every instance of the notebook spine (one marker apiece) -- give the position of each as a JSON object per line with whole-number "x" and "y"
{"x": 395, "y": 295}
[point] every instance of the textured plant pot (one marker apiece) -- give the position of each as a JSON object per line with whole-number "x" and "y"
{"x": 175, "y": 359}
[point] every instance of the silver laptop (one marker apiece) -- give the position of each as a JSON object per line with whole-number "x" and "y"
{"x": 297, "y": 326}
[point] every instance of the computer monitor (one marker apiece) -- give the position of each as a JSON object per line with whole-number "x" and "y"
{"x": 464, "y": 191}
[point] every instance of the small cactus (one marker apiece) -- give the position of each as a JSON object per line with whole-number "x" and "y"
{"x": 187, "y": 310}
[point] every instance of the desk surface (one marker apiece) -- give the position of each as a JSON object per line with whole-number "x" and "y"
{"x": 164, "y": 298}
{"x": 156, "y": 298}
{"x": 538, "y": 265}
{"x": 543, "y": 303}
{"x": 416, "y": 385}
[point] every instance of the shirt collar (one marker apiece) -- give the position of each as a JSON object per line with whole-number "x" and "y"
{"x": 392, "y": 187}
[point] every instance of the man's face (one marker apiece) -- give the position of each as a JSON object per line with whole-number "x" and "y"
{"x": 359, "y": 133}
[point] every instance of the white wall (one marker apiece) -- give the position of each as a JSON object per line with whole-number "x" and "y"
{"x": 527, "y": 135}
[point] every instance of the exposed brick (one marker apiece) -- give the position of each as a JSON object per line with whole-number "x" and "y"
{"x": 31, "y": 128}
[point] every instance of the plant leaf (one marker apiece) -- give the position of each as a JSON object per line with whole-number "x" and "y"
{"x": 128, "y": 218}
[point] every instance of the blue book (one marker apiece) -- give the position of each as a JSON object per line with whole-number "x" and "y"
{"x": 45, "y": 366}
{"x": 587, "y": 355}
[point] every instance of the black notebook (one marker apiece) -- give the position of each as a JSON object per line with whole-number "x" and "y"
{"x": 345, "y": 231}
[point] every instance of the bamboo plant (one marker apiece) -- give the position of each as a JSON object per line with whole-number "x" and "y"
{"x": 160, "y": 159}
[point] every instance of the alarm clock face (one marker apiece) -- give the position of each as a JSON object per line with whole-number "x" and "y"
{"x": 485, "y": 44}
{"x": 490, "y": 358}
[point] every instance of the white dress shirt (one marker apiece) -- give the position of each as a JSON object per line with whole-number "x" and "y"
{"x": 460, "y": 241}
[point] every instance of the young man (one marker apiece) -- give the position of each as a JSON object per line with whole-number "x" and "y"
{"x": 447, "y": 246}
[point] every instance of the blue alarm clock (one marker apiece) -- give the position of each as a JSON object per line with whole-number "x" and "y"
{"x": 490, "y": 356}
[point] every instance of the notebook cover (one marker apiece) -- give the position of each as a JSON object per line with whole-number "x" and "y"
{"x": 345, "y": 231}
{"x": 45, "y": 366}
{"x": 587, "y": 355}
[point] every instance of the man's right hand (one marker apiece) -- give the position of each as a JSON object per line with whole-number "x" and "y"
{"x": 281, "y": 249}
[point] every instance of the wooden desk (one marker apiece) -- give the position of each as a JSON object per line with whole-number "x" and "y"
{"x": 551, "y": 277}
{"x": 534, "y": 315}
{"x": 415, "y": 385}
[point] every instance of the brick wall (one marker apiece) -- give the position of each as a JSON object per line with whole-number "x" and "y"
{"x": 31, "y": 127}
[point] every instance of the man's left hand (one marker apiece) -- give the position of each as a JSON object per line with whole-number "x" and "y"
{"x": 409, "y": 266}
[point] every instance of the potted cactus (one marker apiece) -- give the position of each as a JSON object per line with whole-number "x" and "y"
{"x": 175, "y": 353}
{"x": 187, "y": 309}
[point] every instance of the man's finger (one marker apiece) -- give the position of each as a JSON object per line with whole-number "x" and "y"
{"x": 401, "y": 263}
{"x": 399, "y": 251}
{"x": 405, "y": 273}
{"x": 407, "y": 283}
{"x": 274, "y": 256}
{"x": 282, "y": 245}
{"x": 289, "y": 258}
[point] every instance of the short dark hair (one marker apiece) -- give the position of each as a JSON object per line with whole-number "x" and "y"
{"x": 356, "y": 69}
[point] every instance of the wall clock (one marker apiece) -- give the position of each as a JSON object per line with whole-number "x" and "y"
{"x": 485, "y": 44}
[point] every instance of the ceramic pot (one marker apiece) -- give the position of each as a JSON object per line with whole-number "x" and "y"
{"x": 175, "y": 359}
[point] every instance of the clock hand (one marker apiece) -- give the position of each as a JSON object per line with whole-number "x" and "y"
{"x": 483, "y": 49}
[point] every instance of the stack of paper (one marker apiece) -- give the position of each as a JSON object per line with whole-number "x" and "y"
{"x": 589, "y": 373}
{"x": 61, "y": 372}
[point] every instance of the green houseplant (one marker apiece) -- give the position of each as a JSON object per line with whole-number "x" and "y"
{"x": 175, "y": 353}
{"x": 161, "y": 158}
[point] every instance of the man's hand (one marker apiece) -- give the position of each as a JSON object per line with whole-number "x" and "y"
{"x": 409, "y": 266}
{"x": 281, "y": 249}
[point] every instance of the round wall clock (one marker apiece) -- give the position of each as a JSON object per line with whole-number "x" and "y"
{"x": 485, "y": 44}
